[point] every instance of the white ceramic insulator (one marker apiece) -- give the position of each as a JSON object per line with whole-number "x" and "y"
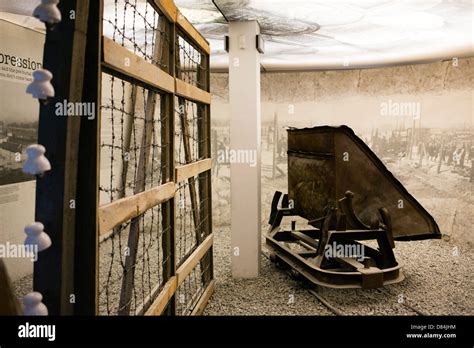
{"x": 32, "y": 304}
{"x": 36, "y": 163}
{"x": 35, "y": 235}
{"x": 41, "y": 87}
{"x": 48, "y": 12}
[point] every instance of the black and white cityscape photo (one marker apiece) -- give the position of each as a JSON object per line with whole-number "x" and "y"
{"x": 296, "y": 164}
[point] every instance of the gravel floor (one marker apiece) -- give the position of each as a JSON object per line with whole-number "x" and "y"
{"x": 438, "y": 281}
{"x": 23, "y": 286}
{"x": 438, "y": 273}
{"x": 273, "y": 293}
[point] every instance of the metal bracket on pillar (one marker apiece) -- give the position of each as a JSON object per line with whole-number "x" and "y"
{"x": 260, "y": 43}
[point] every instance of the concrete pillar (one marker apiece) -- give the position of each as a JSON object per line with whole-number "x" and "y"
{"x": 245, "y": 134}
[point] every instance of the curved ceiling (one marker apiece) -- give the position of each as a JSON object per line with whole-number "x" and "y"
{"x": 326, "y": 34}
{"x": 341, "y": 34}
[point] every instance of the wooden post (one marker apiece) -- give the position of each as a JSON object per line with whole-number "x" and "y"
{"x": 168, "y": 211}
{"x": 87, "y": 202}
{"x": 197, "y": 216}
{"x": 128, "y": 137}
{"x": 214, "y": 151}
{"x": 64, "y": 57}
{"x": 205, "y": 193}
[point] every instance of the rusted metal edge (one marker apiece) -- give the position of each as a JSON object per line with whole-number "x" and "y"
{"x": 387, "y": 173}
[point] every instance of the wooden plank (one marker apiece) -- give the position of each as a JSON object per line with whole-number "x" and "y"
{"x": 168, "y": 8}
{"x": 161, "y": 302}
{"x": 168, "y": 291}
{"x": 64, "y": 56}
{"x": 125, "y": 209}
{"x": 190, "y": 170}
{"x": 171, "y": 12}
{"x": 143, "y": 307}
{"x": 193, "y": 259}
{"x": 192, "y": 33}
{"x": 202, "y": 303}
{"x": 120, "y": 59}
{"x": 192, "y": 92}
{"x": 86, "y": 284}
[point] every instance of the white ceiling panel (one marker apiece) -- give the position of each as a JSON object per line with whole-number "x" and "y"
{"x": 327, "y": 34}
{"x": 341, "y": 34}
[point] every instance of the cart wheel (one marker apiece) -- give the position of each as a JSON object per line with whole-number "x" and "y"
{"x": 273, "y": 258}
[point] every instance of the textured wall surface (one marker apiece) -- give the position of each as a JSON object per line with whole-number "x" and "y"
{"x": 442, "y": 92}
{"x": 320, "y": 85}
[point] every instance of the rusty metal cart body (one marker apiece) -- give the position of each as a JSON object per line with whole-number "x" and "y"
{"x": 347, "y": 196}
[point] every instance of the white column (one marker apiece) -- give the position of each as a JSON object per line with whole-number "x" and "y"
{"x": 245, "y": 125}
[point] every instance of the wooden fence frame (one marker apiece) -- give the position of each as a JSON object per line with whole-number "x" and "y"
{"x": 77, "y": 53}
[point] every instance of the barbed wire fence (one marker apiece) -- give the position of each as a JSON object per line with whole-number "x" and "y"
{"x": 142, "y": 141}
{"x": 193, "y": 221}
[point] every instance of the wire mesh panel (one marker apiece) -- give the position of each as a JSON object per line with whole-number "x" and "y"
{"x": 126, "y": 135}
{"x": 132, "y": 150}
{"x": 193, "y": 287}
{"x": 190, "y": 65}
{"x": 137, "y": 132}
{"x": 190, "y": 221}
{"x": 136, "y": 25}
{"x": 135, "y": 254}
{"x": 148, "y": 268}
{"x": 188, "y": 138}
{"x": 192, "y": 217}
{"x": 192, "y": 144}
